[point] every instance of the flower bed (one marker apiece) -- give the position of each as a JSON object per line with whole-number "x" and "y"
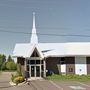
{"x": 17, "y": 79}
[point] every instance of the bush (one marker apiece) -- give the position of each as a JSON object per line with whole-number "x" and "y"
{"x": 10, "y": 65}
{"x": 19, "y": 71}
{"x": 17, "y": 79}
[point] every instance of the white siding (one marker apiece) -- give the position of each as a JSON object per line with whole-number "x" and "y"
{"x": 80, "y": 65}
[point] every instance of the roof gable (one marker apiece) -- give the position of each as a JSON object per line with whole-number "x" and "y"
{"x": 36, "y": 52}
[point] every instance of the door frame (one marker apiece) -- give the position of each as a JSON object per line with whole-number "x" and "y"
{"x": 35, "y": 70}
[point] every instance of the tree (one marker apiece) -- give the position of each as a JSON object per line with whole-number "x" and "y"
{"x": 10, "y": 65}
{"x": 3, "y": 66}
{"x": 9, "y": 58}
{"x": 2, "y": 60}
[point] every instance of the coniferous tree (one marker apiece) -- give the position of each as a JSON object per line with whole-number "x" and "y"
{"x": 9, "y": 58}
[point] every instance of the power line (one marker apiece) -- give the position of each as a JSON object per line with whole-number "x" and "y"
{"x": 46, "y": 28}
{"x": 70, "y": 35}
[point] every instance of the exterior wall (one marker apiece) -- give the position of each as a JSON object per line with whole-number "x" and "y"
{"x": 70, "y": 65}
{"x": 88, "y": 65}
{"x": 52, "y": 63}
{"x": 21, "y": 62}
{"x": 73, "y": 65}
{"x": 80, "y": 65}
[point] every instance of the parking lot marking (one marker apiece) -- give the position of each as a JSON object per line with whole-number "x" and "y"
{"x": 84, "y": 84}
{"x": 56, "y": 85}
{"x": 77, "y": 88}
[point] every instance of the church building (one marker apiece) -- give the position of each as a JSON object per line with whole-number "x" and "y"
{"x": 59, "y": 58}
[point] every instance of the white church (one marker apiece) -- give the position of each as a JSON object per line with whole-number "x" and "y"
{"x": 60, "y": 58}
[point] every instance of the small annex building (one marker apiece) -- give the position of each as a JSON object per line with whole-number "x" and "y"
{"x": 60, "y": 58}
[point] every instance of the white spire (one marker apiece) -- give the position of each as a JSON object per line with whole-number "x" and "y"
{"x": 34, "y": 38}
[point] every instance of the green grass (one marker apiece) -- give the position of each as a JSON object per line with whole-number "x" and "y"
{"x": 69, "y": 77}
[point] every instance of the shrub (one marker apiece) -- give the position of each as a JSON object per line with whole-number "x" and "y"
{"x": 19, "y": 79}
{"x": 10, "y": 65}
{"x": 13, "y": 77}
{"x": 19, "y": 71}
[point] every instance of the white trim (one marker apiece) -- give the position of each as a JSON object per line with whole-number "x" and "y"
{"x": 44, "y": 62}
{"x": 39, "y": 52}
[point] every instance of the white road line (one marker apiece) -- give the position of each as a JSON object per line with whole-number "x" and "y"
{"x": 56, "y": 85}
{"x": 84, "y": 84}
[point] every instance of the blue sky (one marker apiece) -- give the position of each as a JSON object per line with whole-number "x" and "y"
{"x": 52, "y": 17}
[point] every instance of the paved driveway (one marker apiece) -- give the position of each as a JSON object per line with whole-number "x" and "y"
{"x": 33, "y": 85}
{"x": 73, "y": 85}
{"x": 42, "y": 84}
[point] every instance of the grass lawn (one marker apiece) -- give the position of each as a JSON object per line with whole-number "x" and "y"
{"x": 69, "y": 77}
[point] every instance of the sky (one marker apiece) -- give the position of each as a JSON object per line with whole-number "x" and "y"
{"x": 59, "y": 17}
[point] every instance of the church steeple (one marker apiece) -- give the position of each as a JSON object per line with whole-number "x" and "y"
{"x": 34, "y": 38}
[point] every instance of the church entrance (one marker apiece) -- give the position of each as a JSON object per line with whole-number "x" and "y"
{"x": 35, "y": 71}
{"x": 36, "y": 65}
{"x": 36, "y": 68}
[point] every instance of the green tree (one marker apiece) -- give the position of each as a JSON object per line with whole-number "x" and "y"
{"x": 2, "y": 60}
{"x": 4, "y": 66}
{"x": 10, "y": 65}
{"x": 9, "y": 58}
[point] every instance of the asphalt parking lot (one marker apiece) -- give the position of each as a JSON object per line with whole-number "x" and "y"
{"x": 73, "y": 85}
{"x": 49, "y": 85}
{"x": 43, "y": 84}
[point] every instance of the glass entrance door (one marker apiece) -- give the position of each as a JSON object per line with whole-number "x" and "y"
{"x": 35, "y": 71}
{"x": 32, "y": 71}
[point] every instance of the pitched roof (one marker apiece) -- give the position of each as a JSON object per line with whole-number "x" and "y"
{"x": 53, "y": 49}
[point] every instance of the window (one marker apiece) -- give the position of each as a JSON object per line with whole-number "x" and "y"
{"x": 70, "y": 69}
{"x": 35, "y": 53}
{"x": 41, "y": 61}
{"x": 37, "y": 61}
{"x": 62, "y": 61}
{"x": 32, "y": 61}
{"x": 42, "y": 68}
